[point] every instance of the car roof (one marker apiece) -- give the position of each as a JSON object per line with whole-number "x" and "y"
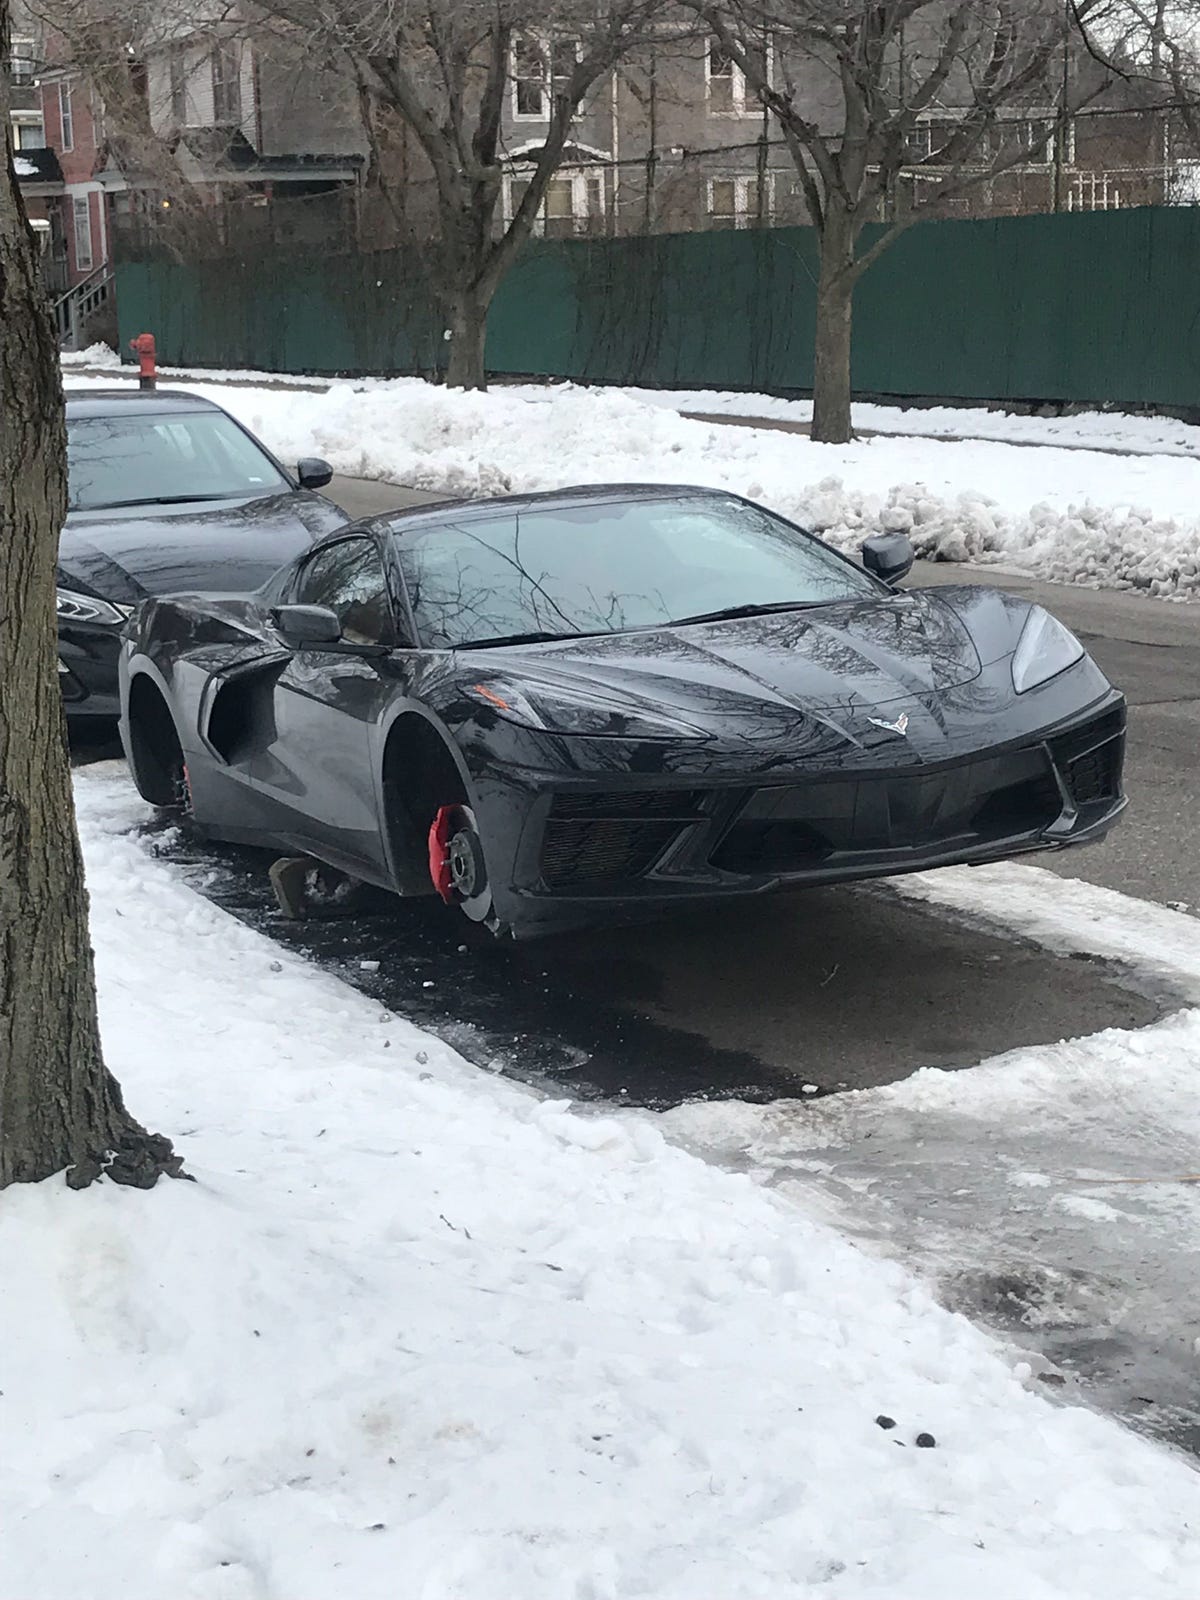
{"x": 132, "y": 402}
{"x": 411, "y": 518}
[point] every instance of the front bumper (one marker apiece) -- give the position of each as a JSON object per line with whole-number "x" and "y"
{"x": 88, "y": 657}
{"x": 618, "y": 848}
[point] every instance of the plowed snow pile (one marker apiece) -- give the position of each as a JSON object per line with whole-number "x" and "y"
{"x": 1069, "y": 514}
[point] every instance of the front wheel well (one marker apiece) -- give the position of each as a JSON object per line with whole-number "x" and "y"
{"x": 155, "y": 753}
{"x": 420, "y": 775}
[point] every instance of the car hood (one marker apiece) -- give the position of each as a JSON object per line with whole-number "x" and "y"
{"x": 125, "y": 553}
{"x": 853, "y": 653}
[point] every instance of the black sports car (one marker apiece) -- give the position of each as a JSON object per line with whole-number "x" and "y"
{"x": 167, "y": 492}
{"x": 562, "y": 708}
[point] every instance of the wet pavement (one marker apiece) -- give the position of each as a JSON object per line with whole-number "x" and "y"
{"x": 801, "y": 994}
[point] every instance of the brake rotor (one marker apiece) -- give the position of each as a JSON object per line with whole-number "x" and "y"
{"x": 456, "y": 864}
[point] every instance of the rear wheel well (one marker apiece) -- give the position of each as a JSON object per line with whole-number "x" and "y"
{"x": 155, "y": 752}
{"x": 419, "y": 777}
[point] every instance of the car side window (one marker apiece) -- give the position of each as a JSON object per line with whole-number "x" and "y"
{"x": 348, "y": 577}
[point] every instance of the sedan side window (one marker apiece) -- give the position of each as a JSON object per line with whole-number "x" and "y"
{"x": 348, "y": 577}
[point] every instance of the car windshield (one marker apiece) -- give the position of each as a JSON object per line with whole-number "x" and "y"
{"x": 571, "y": 570}
{"x": 147, "y": 457}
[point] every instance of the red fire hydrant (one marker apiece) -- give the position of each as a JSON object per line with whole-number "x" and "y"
{"x": 147, "y": 371}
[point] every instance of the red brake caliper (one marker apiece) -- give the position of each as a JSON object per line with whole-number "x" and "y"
{"x": 439, "y": 854}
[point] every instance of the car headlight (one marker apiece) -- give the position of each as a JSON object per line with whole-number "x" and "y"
{"x": 1044, "y": 650}
{"x": 73, "y": 607}
{"x": 567, "y": 710}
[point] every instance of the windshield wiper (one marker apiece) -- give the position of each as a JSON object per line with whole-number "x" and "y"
{"x": 729, "y": 613}
{"x": 155, "y": 500}
{"x": 528, "y": 638}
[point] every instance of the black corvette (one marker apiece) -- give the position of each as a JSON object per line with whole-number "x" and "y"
{"x": 167, "y": 492}
{"x": 564, "y": 708}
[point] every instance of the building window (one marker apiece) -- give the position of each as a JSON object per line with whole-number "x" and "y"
{"x": 226, "y": 87}
{"x": 529, "y": 79}
{"x": 66, "y": 116}
{"x": 1034, "y": 134}
{"x": 541, "y": 69}
{"x": 574, "y": 203}
{"x": 22, "y": 66}
{"x": 30, "y": 135}
{"x": 928, "y": 141}
{"x": 918, "y": 142}
{"x": 726, "y": 91}
{"x": 736, "y": 202}
{"x": 179, "y": 78}
{"x": 81, "y": 208}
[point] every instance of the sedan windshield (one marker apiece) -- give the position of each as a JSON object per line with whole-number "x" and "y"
{"x": 151, "y": 458}
{"x": 572, "y": 570}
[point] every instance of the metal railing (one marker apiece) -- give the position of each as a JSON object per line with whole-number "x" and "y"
{"x": 73, "y": 310}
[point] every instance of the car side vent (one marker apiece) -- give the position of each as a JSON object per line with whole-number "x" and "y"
{"x": 1090, "y": 758}
{"x": 1096, "y": 775}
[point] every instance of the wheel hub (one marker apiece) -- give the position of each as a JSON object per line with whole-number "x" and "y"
{"x": 464, "y": 867}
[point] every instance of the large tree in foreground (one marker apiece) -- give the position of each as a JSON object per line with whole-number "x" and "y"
{"x": 852, "y": 83}
{"x": 59, "y": 1105}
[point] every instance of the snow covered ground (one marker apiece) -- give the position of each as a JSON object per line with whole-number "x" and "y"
{"x": 417, "y": 1330}
{"x": 1078, "y": 515}
{"x": 1086, "y": 430}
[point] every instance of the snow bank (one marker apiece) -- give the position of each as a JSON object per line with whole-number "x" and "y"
{"x": 1069, "y": 515}
{"x": 96, "y": 355}
{"x": 414, "y": 1321}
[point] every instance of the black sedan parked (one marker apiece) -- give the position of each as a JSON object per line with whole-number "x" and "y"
{"x": 558, "y": 709}
{"x": 167, "y": 492}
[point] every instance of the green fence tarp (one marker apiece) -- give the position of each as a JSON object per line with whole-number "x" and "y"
{"x": 1088, "y": 307}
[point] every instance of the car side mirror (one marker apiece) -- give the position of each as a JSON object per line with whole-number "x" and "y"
{"x": 888, "y": 555}
{"x": 313, "y": 473}
{"x": 307, "y": 626}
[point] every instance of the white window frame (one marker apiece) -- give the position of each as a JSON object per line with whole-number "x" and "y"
{"x": 23, "y": 122}
{"x": 1024, "y": 123}
{"x": 83, "y": 201}
{"x": 544, "y": 44}
{"x": 921, "y": 133}
{"x": 22, "y": 53}
{"x": 743, "y": 102}
{"x": 580, "y": 179}
{"x": 66, "y": 115}
{"x": 226, "y": 55}
{"x": 927, "y": 128}
{"x": 745, "y": 212}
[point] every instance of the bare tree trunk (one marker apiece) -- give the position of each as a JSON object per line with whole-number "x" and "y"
{"x": 466, "y": 323}
{"x": 59, "y": 1106}
{"x": 835, "y": 308}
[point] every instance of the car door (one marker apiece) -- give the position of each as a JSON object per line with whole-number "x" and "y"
{"x": 328, "y": 708}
